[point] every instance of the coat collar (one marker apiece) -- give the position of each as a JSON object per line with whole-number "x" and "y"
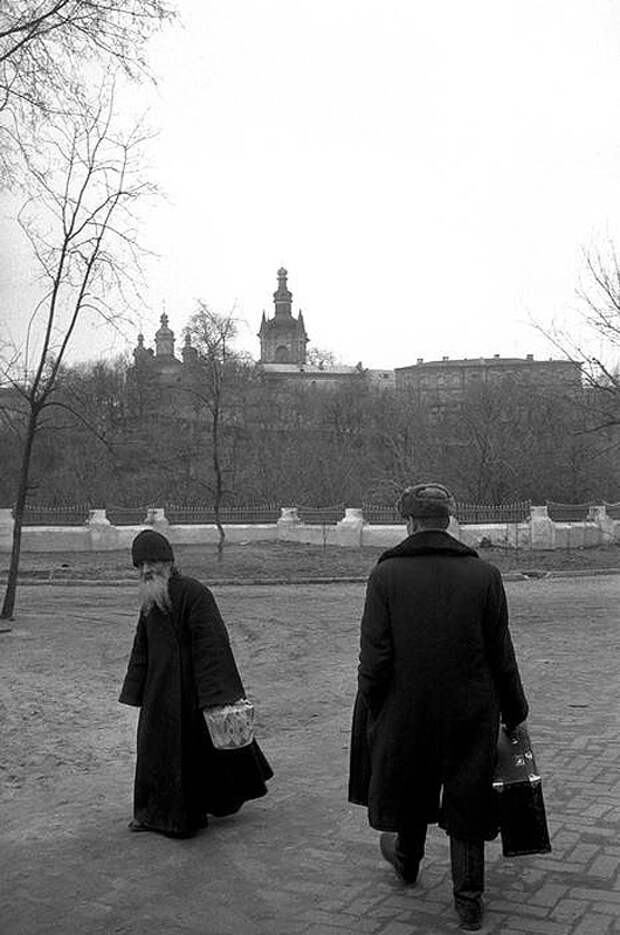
{"x": 428, "y": 542}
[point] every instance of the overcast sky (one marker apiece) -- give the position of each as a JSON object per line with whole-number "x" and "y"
{"x": 428, "y": 173}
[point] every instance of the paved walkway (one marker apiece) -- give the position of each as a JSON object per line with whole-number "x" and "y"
{"x": 302, "y": 860}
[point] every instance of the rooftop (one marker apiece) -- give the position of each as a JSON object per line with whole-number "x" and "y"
{"x": 496, "y": 360}
{"x": 309, "y": 369}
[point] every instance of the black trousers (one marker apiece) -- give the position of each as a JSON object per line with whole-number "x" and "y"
{"x": 466, "y": 860}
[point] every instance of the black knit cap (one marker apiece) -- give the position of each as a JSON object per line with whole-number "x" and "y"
{"x": 426, "y": 500}
{"x": 151, "y": 546}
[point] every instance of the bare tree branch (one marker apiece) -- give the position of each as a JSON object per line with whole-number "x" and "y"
{"x": 43, "y": 44}
{"x": 91, "y": 181}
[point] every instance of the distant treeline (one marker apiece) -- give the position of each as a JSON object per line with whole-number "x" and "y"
{"x": 114, "y": 437}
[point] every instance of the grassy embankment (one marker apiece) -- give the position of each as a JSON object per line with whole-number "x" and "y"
{"x": 284, "y": 562}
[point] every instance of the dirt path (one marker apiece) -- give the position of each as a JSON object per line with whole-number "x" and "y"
{"x": 301, "y": 860}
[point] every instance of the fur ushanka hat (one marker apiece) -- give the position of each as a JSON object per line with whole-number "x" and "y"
{"x": 425, "y": 500}
{"x": 151, "y": 546}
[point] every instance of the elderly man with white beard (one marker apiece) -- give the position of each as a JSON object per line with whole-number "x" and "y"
{"x": 181, "y": 663}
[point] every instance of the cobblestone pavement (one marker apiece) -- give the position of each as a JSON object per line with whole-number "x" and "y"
{"x": 302, "y": 860}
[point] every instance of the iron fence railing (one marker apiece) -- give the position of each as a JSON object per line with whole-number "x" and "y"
{"x": 568, "y": 512}
{"x": 373, "y": 513}
{"x": 77, "y": 514}
{"x": 320, "y": 515}
{"x": 126, "y": 515}
{"x": 381, "y": 514}
{"x": 479, "y": 513}
{"x": 516, "y": 512}
{"x": 63, "y": 515}
{"x": 230, "y": 515}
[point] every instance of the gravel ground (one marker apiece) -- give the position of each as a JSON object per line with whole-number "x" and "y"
{"x": 301, "y": 860}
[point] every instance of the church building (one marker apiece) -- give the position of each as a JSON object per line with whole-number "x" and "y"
{"x": 283, "y": 338}
{"x": 283, "y": 341}
{"x": 284, "y": 361}
{"x": 162, "y": 367}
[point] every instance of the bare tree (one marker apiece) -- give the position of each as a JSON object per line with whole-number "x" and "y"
{"x": 480, "y": 437}
{"x": 321, "y": 357}
{"x": 599, "y": 292}
{"x": 84, "y": 182}
{"x": 405, "y": 442}
{"x": 52, "y": 56}
{"x": 216, "y": 370}
{"x": 44, "y": 44}
{"x": 597, "y": 349}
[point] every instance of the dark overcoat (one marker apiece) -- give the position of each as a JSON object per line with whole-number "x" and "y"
{"x": 180, "y": 663}
{"x": 437, "y": 667}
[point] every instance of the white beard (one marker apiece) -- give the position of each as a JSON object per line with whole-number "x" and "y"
{"x": 153, "y": 592}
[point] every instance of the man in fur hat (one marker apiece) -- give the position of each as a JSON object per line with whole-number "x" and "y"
{"x": 437, "y": 670}
{"x": 181, "y": 662}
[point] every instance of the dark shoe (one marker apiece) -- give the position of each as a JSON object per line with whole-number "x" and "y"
{"x": 407, "y": 872}
{"x": 470, "y": 917}
{"x": 470, "y": 924}
{"x": 135, "y": 825}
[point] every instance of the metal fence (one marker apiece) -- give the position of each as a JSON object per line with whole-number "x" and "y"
{"x": 466, "y": 513}
{"x": 190, "y": 515}
{"x": 64, "y": 515}
{"x": 568, "y": 512}
{"x": 126, "y": 515}
{"x": 378, "y": 514}
{"x": 77, "y": 515}
{"x": 381, "y": 514}
{"x": 482, "y": 513}
{"x": 320, "y": 515}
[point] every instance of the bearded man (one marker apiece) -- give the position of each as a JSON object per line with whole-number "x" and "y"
{"x": 181, "y": 663}
{"x": 437, "y": 670}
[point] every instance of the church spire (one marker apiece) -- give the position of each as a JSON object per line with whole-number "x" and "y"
{"x": 164, "y": 339}
{"x": 282, "y": 297}
{"x": 283, "y": 338}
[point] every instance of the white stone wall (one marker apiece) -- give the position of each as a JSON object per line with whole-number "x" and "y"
{"x": 98, "y": 535}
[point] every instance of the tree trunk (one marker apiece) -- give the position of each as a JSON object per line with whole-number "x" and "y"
{"x": 18, "y": 517}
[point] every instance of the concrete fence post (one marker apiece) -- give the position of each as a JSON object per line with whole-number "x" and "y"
{"x": 156, "y": 517}
{"x": 542, "y": 528}
{"x": 598, "y": 514}
{"x": 454, "y": 528}
{"x": 288, "y": 523}
{"x": 98, "y": 518}
{"x": 102, "y": 534}
{"x": 349, "y": 528}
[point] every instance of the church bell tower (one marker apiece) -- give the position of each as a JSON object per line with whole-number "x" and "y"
{"x": 283, "y": 338}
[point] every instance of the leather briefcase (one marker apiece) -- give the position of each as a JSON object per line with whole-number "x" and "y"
{"x": 518, "y": 789}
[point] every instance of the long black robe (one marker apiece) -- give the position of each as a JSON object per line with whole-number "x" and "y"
{"x": 437, "y": 668}
{"x": 180, "y": 663}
